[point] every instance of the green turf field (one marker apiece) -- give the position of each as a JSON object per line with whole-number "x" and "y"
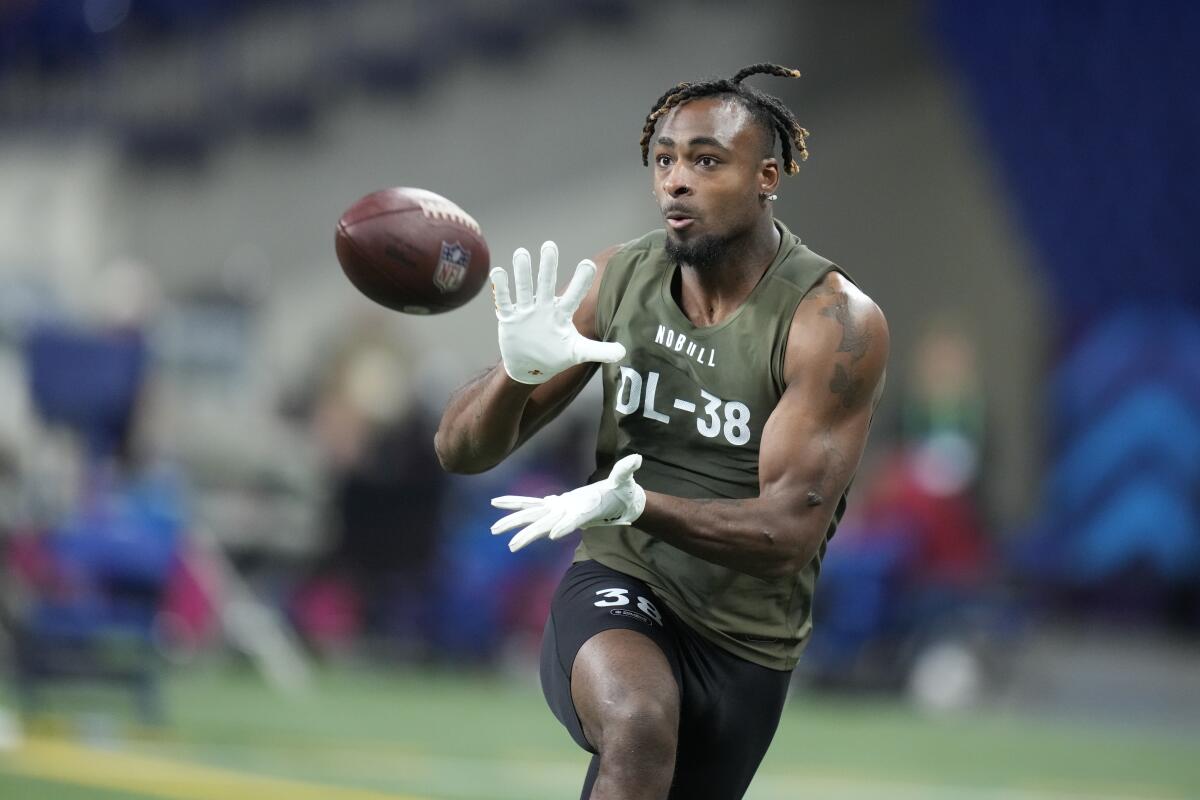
{"x": 372, "y": 735}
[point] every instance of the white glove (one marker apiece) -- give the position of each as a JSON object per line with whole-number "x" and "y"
{"x": 616, "y": 500}
{"x": 537, "y": 338}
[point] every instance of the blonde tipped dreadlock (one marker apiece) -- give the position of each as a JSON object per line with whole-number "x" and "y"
{"x": 769, "y": 111}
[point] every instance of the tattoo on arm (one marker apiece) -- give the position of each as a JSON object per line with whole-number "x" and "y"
{"x": 834, "y": 463}
{"x": 832, "y": 471}
{"x": 848, "y": 388}
{"x": 855, "y": 338}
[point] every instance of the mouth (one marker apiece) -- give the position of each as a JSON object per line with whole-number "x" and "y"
{"x": 679, "y": 219}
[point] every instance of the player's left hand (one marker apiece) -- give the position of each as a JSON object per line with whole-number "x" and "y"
{"x": 616, "y": 500}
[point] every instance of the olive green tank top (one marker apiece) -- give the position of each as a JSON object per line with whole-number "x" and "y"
{"x": 693, "y": 402}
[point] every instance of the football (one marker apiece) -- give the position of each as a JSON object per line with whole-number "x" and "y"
{"x": 412, "y": 250}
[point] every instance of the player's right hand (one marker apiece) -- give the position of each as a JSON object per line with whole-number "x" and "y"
{"x": 538, "y": 340}
{"x": 616, "y": 500}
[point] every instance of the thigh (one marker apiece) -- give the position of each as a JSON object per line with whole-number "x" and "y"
{"x": 639, "y": 654}
{"x": 623, "y": 683}
{"x": 730, "y": 713}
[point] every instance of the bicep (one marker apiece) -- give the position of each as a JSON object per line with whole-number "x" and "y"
{"x": 816, "y": 435}
{"x": 810, "y": 450}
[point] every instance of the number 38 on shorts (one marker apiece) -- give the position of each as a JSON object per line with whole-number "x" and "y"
{"x": 620, "y": 597}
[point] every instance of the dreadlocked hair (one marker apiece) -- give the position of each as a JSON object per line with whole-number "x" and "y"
{"x": 768, "y": 110}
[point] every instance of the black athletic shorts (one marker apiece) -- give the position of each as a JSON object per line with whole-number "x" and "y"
{"x": 729, "y": 707}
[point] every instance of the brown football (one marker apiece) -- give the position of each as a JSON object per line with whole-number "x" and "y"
{"x": 412, "y": 250}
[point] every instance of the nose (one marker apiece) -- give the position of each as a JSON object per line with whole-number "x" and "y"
{"x": 675, "y": 183}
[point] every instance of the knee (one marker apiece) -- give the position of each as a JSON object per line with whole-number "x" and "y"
{"x": 641, "y": 724}
{"x": 628, "y": 702}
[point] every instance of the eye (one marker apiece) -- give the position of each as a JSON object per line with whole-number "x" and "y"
{"x": 707, "y": 161}
{"x": 662, "y": 160}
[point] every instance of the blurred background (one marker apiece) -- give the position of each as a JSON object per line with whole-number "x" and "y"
{"x": 230, "y": 566}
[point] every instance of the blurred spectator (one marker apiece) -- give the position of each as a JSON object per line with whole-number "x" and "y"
{"x": 927, "y": 490}
{"x": 909, "y": 582}
{"x": 943, "y": 420}
{"x": 494, "y": 603}
{"x": 385, "y": 497}
{"x": 410, "y": 567}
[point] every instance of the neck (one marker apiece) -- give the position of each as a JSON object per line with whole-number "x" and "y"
{"x": 707, "y": 296}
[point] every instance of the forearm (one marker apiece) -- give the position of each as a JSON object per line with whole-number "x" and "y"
{"x": 482, "y": 422}
{"x": 765, "y": 538}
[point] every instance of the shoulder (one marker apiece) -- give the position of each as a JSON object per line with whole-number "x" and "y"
{"x": 591, "y": 315}
{"x": 836, "y": 304}
{"x": 838, "y": 324}
{"x": 624, "y": 258}
{"x": 633, "y": 249}
{"x": 602, "y": 258}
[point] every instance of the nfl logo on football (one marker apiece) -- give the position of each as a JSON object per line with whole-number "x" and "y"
{"x": 452, "y": 267}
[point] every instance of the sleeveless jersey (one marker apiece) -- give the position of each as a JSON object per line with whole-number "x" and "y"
{"x": 693, "y": 402}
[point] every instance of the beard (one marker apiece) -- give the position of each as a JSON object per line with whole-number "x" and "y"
{"x": 703, "y": 253}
